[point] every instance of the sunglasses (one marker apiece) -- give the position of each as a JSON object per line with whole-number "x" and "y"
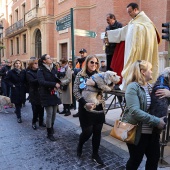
{"x": 92, "y": 62}
{"x": 35, "y": 63}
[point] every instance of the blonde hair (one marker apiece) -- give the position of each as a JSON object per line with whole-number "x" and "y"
{"x": 135, "y": 74}
{"x": 88, "y": 58}
{"x": 31, "y": 63}
{"x": 22, "y": 65}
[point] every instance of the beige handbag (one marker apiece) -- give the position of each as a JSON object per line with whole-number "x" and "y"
{"x": 123, "y": 131}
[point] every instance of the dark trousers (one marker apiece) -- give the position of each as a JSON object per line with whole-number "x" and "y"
{"x": 18, "y": 109}
{"x": 149, "y": 146}
{"x": 38, "y": 112}
{"x": 66, "y": 107}
{"x": 87, "y": 132}
{"x": 5, "y": 89}
{"x": 109, "y": 60}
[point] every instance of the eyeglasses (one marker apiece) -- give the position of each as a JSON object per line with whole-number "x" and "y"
{"x": 92, "y": 62}
{"x": 48, "y": 58}
{"x": 35, "y": 63}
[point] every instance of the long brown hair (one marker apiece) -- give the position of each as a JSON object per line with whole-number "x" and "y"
{"x": 88, "y": 58}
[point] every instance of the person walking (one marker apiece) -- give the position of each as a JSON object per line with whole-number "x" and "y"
{"x": 34, "y": 96}
{"x": 91, "y": 124}
{"x": 141, "y": 41}
{"x": 65, "y": 75}
{"x": 110, "y": 47}
{"x": 78, "y": 67}
{"x": 138, "y": 101}
{"x": 16, "y": 79}
{"x": 3, "y": 72}
{"x": 49, "y": 83}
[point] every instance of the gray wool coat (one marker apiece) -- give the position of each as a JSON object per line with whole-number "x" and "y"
{"x": 66, "y": 96}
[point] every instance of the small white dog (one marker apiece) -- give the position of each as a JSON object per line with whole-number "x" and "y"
{"x": 3, "y": 102}
{"x": 105, "y": 82}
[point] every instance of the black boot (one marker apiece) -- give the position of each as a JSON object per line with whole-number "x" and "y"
{"x": 52, "y": 129}
{"x": 67, "y": 110}
{"x": 50, "y": 135}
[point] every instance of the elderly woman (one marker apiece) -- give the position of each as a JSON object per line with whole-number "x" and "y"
{"x": 16, "y": 78}
{"x": 91, "y": 124}
{"x": 34, "y": 96}
{"x": 49, "y": 83}
{"x": 65, "y": 76}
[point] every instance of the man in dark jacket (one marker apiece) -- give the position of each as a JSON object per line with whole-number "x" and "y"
{"x": 3, "y": 72}
{"x": 110, "y": 47}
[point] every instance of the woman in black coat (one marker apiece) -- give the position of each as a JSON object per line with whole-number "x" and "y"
{"x": 34, "y": 97}
{"x": 49, "y": 83}
{"x": 16, "y": 78}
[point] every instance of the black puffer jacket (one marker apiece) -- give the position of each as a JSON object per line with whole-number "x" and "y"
{"x": 17, "y": 81}
{"x": 32, "y": 80}
{"x": 47, "y": 80}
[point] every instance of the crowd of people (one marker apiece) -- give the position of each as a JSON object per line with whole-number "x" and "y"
{"x": 53, "y": 83}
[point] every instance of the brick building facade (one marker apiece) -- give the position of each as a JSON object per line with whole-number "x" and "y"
{"x": 30, "y": 25}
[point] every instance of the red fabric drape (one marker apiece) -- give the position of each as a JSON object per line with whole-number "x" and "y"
{"x": 118, "y": 59}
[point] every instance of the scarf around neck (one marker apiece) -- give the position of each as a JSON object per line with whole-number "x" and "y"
{"x": 48, "y": 67}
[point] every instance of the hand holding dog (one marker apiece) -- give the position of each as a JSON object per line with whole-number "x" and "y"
{"x": 161, "y": 124}
{"x": 89, "y": 106}
{"x": 162, "y": 93}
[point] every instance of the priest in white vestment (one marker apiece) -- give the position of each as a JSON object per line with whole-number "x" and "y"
{"x": 141, "y": 42}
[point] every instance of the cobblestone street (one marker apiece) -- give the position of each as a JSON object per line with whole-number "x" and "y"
{"x": 21, "y": 147}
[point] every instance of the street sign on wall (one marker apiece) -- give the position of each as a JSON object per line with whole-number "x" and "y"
{"x": 63, "y": 23}
{"x": 85, "y": 33}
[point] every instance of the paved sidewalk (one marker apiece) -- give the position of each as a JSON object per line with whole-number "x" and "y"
{"x": 22, "y": 148}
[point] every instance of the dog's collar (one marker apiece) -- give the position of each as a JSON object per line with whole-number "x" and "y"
{"x": 161, "y": 86}
{"x": 100, "y": 75}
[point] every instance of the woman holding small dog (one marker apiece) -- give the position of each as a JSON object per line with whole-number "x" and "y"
{"x": 138, "y": 101}
{"x": 91, "y": 123}
{"x": 16, "y": 78}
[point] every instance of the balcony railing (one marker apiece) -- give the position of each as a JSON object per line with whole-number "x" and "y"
{"x": 31, "y": 14}
{"x": 16, "y": 26}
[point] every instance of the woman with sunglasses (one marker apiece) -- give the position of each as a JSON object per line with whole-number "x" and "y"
{"x": 34, "y": 96}
{"x": 49, "y": 84}
{"x": 16, "y": 78}
{"x": 91, "y": 124}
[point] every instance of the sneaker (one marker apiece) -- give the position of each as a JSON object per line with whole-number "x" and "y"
{"x": 97, "y": 159}
{"x": 34, "y": 126}
{"x": 19, "y": 120}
